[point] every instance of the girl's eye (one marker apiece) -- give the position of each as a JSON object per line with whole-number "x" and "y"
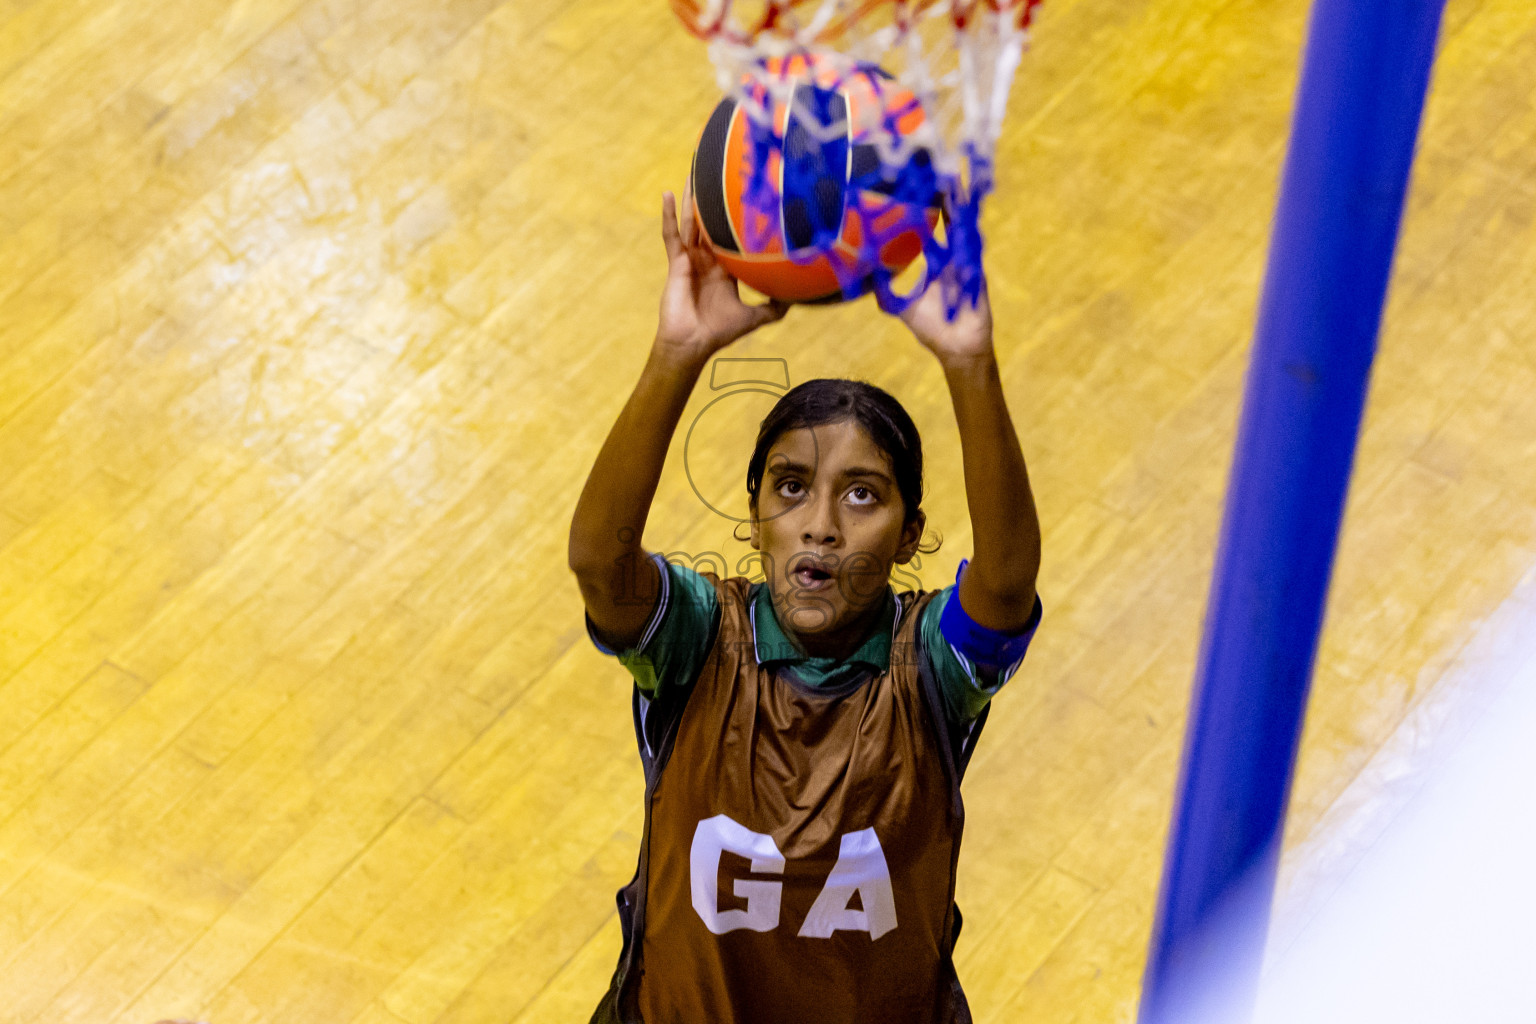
{"x": 862, "y": 495}
{"x": 789, "y": 488}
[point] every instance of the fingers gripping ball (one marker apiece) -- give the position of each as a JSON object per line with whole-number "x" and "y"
{"x": 813, "y": 185}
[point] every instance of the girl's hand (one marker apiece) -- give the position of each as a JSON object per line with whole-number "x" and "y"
{"x": 701, "y": 308}
{"x": 967, "y": 336}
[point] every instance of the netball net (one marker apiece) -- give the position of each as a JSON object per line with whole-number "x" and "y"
{"x": 957, "y": 57}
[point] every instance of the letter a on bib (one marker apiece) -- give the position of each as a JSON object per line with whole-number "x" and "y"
{"x": 713, "y": 837}
{"x": 860, "y": 868}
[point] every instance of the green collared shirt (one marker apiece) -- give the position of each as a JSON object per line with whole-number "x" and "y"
{"x": 675, "y": 643}
{"x": 775, "y": 647}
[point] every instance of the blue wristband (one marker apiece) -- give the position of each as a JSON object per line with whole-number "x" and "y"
{"x": 990, "y": 649}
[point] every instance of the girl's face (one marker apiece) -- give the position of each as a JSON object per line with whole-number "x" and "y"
{"x": 829, "y": 524}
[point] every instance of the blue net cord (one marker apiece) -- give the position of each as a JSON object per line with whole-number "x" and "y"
{"x": 891, "y": 198}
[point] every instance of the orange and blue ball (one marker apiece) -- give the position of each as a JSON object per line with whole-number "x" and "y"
{"x": 797, "y": 197}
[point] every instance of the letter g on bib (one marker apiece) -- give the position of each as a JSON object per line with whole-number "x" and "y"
{"x": 712, "y": 838}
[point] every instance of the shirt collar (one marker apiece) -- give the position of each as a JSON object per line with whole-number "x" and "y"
{"x": 772, "y": 646}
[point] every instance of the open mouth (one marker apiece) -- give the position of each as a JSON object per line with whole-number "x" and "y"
{"x": 810, "y": 574}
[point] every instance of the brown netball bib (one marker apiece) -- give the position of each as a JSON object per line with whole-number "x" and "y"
{"x": 800, "y": 848}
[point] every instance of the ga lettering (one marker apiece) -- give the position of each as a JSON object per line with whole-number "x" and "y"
{"x": 860, "y": 868}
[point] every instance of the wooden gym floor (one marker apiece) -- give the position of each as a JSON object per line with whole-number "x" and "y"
{"x": 313, "y": 314}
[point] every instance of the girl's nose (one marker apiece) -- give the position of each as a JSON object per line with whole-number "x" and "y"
{"x": 821, "y": 526}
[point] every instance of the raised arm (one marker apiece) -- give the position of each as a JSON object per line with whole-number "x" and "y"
{"x": 701, "y": 312}
{"x": 997, "y": 589}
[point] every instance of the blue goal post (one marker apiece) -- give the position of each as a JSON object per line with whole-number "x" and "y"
{"x": 1365, "y": 71}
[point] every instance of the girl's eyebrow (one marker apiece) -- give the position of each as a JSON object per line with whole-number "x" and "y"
{"x": 779, "y": 468}
{"x": 878, "y": 474}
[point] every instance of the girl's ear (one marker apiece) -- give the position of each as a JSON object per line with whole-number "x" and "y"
{"x": 911, "y": 536}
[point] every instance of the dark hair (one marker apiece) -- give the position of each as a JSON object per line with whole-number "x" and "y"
{"x": 834, "y": 400}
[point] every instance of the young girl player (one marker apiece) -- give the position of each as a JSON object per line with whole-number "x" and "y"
{"x": 803, "y": 738}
